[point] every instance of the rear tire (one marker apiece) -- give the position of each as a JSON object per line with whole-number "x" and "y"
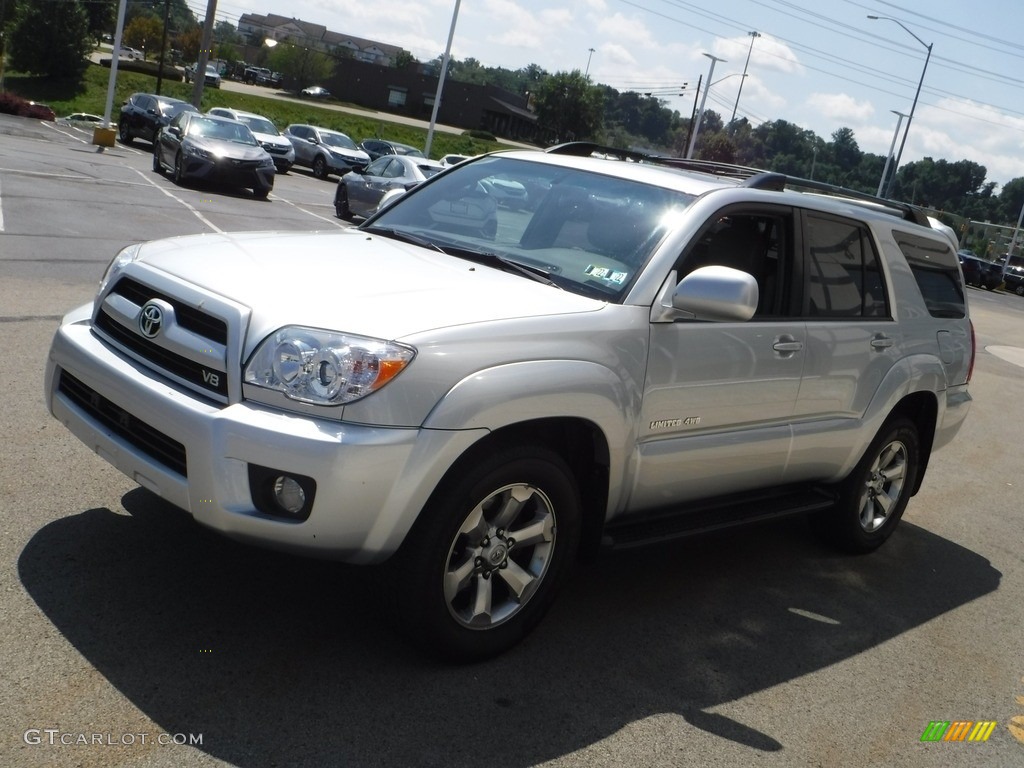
{"x": 124, "y": 133}
{"x": 486, "y": 556}
{"x": 874, "y": 496}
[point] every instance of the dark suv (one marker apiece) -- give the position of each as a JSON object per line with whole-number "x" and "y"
{"x": 977, "y": 271}
{"x": 144, "y": 114}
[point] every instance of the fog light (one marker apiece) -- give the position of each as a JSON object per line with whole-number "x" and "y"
{"x": 289, "y": 494}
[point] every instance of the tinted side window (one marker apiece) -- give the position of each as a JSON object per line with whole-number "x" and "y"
{"x": 936, "y": 270}
{"x": 844, "y": 278}
{"x": 759, "y": 243}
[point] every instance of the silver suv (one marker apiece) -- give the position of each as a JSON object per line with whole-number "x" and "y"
{"x": 473, "y": 395}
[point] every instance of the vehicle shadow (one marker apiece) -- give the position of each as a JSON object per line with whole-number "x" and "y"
{"x": 280, "y": 660}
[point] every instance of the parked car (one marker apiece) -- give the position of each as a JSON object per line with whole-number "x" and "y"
{"x": 131, "y": 53}
{"x": 144, "y": 114}
{"x": 212, "y": 79}
{"x": 324, "y": 150}
{"x": 1013, "y": 274}
{"x": 316, "y": 92}
{"x": 473, "y": 396}
{"x": 266, "y": 133}
{"x": 80, "y": 118}
{"x": 261, "y": 76}
{"x": 508, "y": 193}
{"x": 453, "y": 159}
{"x": 215, "y": 149}
{"x": 378, "y": 147}
{"x": 979, "y": 272}
{"x": 39, "y": 111}
{"x": 360, "y": 192}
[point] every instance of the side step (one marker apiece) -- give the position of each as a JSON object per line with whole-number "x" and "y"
{"x": 703, "y": 517}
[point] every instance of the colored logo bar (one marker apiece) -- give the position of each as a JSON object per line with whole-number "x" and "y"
{"x": 958, "y": 730}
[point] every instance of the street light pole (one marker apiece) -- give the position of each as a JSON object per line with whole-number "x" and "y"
{"x": 913, "y": 106}
{"x": 888, "y": 157}
{"x": 750, "y": 50}
{"x": 440, "y": 80}
{"x": 704, "y": 98}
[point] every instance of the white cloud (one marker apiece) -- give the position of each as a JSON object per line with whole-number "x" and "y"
{"x": 840, "y": 106}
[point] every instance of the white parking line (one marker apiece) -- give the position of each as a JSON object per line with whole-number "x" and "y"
{"x": 331, "y": 221}
{"x": 1, "y": 211}
{"x": 174, "y": 197}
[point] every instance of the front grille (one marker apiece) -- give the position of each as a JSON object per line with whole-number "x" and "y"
{"x": 208, "y": 330}
{"x": 275, "y": 149}
{"x": 155, "y": 444}
{"x": 173, "y": 363}
{"x": 190, "y": 318}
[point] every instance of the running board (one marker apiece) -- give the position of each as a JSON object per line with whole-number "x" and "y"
{"x": 704, "y": 517}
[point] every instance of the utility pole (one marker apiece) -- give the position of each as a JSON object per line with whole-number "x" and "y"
{"x": 704, "y": 98}
{"x": 163, "y": 47}
{"x": 204, "y": 55}
{"x": 750, "y": 50}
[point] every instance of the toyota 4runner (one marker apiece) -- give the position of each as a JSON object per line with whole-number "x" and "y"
{"x": 473, "y": 394}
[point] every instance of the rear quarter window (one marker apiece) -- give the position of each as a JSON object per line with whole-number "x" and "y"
{"x": 937, "y": 272}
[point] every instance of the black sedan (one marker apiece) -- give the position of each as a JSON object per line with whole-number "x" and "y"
{"x": 360, "y": 192}
{"x": 144, "y": 114}
{"x": 217, "y": 149}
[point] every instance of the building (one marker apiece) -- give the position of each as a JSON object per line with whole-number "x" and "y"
{"x": 257, "y": 28}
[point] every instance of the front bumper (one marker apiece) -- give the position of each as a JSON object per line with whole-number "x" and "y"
{"x": 229, "y": 172}
{"x": 371, "y": 482}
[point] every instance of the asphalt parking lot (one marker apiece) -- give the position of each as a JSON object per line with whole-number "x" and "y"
{"x": 132, "y": 637}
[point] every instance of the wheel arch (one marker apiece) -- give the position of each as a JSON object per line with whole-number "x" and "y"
{"x": 579, "y": 442}
{"x": 921, "y": 408}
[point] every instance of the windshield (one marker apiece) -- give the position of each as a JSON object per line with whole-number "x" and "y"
{"x": 338, "y": 140}
{"x": 222, "y": 130}
{"x": 1015, "y": 262}
{"x": 589, "y": 233}
{"x": 259, "y": 125}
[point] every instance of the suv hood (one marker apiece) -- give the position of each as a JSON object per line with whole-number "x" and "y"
{"x": 354, "y": 282}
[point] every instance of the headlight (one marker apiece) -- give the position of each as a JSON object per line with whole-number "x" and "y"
{"x": 325, "y": 368}
{"x": 194, "y": 151}
{"x": 120, "y": 261}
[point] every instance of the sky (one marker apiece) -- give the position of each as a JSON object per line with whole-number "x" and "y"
{"x": 821, "y": 64}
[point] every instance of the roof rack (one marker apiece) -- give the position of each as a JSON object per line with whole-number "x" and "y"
{"x": 753, "y": 178}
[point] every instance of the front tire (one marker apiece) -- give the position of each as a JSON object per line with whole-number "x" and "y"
{"x": 179, "y": 170}
{"x": 341, "y": 208}
{"x": 484, "y": 561}
{"x": 874, "y": 496}
{"x": 156, "y": 160}
{"x": 320, "y": 169}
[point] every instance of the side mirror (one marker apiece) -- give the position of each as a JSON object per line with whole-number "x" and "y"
{"x": 721, "y": 294}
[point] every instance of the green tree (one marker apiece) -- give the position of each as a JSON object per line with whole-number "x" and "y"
{"x": 145, "y": 33}
{"x": 43, "y": 42}
{"x": 302, "y": 65}
{"x": 568, "y": 107}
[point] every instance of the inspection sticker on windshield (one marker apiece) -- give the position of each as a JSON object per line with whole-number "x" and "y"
{"x": 604, "y": 273}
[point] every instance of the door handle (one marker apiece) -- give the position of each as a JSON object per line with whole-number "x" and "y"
{"x": 882, "y": 341}
{"x": 787, "y": 344}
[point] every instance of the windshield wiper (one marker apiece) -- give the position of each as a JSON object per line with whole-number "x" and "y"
{"x": 480, "y": 257}
{"x": 406, "y": 237}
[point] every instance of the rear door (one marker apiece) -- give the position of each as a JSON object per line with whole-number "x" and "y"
{"x": 852, "y": 337}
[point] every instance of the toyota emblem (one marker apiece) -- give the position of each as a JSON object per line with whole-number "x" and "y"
{"x": 151, "y": 320}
